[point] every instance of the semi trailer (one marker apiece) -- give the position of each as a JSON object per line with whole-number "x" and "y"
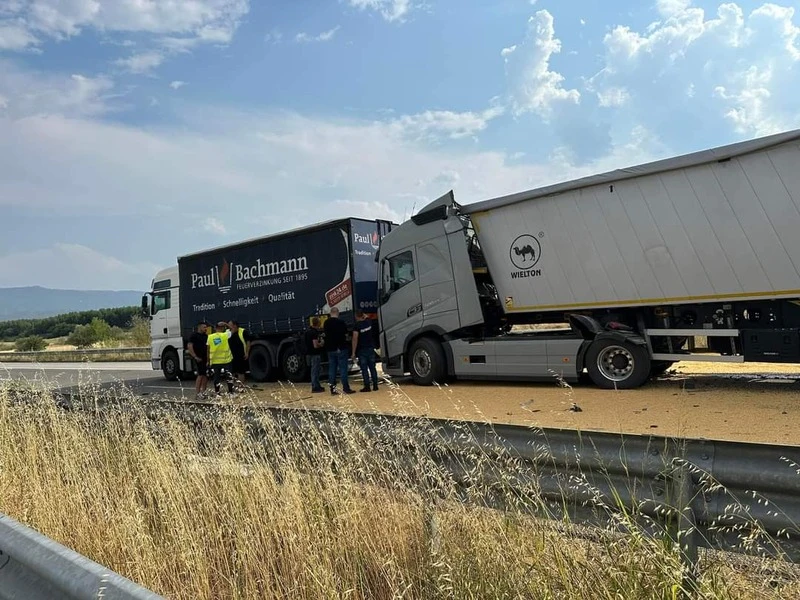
{"x": 615, "y": 276}
{"x": 272, "y": 286}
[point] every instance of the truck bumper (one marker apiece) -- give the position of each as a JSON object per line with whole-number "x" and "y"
{"x": 156, "y": 364}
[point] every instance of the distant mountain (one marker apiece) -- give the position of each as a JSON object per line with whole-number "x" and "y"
{"x": 36, "y": 302}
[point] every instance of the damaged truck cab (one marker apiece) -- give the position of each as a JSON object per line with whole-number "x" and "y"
{"x": 617, "y": 275}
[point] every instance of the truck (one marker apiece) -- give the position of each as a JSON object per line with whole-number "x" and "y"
{"x": 611, "y": 277}
{"x": 272, "y": 286}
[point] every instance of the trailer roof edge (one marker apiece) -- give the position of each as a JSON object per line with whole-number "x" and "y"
{"x": 275, "y": 236}
{"x": 693, "y": 159}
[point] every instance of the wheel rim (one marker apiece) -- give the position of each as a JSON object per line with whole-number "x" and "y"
{"x": 169, "y": 365}
{"x": 292, "y": 363}
{"x": 616, "y": 363}
{"x": 422, "y": 363}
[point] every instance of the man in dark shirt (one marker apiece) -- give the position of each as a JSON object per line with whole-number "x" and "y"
{"x": 338, "y": 352}
{"x": 199, "y": 353}
{"x": 364, "y": 351}
{"x": 239, "y": 343}
{"x": 313, "y": 348}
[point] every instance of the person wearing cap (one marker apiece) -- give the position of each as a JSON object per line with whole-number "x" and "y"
{"x": 219, "y": 355}
{"x": 198, "y": 350}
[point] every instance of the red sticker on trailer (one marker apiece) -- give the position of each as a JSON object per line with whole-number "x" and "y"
{"x": 339, "y": 293}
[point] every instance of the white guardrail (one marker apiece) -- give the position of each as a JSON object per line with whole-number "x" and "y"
{"x": 34, "y": 567}
{"x": 74, "y": 354}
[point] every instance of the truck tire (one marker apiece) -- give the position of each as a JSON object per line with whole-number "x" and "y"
{"x": 426, "y": 362}
{"x": 170, "y": 366}
{"x": 294, "y": 366}
{"x": 260, "y": 363}
{"x": 617, "y": 365}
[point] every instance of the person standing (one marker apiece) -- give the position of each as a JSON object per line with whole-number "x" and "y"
{"x": 364, "y": 351}
{"x": 313, "y": 348}
{"x": 198, "y": 350}
{"x": 219, "y": 356}
{"x": 338, "y": 352}
{"x": 239, "y": 342}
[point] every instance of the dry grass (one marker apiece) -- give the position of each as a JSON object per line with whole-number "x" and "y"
{"x": 207, "y": 512}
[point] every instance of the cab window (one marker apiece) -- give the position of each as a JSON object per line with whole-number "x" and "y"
{"x": 401, "y": 270}
{"x": 161, "y": 301}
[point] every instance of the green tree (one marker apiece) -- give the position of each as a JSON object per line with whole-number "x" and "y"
{"x": 32, "y": 343}
{"x": 140, "y": 331}
{"x": 82, "y": 336}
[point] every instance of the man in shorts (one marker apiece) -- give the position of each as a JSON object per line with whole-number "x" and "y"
{"x": 239, "y": 343}
{"x": 199, "y": 353}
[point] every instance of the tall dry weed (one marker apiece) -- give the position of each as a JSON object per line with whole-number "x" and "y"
{"x": 216, "y": 508}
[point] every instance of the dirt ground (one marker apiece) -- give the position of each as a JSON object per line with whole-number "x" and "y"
{"x": 754, "y": 402}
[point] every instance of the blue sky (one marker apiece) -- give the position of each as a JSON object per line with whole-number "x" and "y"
{"x": 133, "y": 131}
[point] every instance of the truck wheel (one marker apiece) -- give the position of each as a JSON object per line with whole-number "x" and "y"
{"x": 294, "y": 366}
{"x": 617, "y": 365}
{"x": 426, "y": 362}
{"x": 260, "y": 363}
{"x": 169, "y": 365}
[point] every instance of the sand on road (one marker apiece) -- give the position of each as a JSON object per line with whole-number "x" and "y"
{"x": 754, "y": 402}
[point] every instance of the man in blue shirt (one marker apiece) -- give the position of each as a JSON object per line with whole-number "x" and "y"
{"x": 364, "y": 351}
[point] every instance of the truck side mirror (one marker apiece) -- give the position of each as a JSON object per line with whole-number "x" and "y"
{"x": 145, "y": 306}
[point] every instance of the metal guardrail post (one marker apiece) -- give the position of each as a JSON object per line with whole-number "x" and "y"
{"x": 683, "y": 525}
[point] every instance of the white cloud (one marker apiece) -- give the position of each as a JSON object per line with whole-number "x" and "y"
{"x": 176, "y": 85}
{"x": 613, "y": 97}
{"x": 275, "y": 36}
{"x": 436, "y": 124}
{"x": 535, "y": 87}
{"x": 177, "y": 25}
{"x": 26, "y": 93}
{"x": 213, "y": 225}
{"x": 71, "y": 266}
{"x": 325, "y": 36}
{"x": 391, "y": 10}
{"x": 728, "y": 70}
{"x": 668, "y": 8}
{"x": 141, "y": 63}
{"x": 15, "y": 36}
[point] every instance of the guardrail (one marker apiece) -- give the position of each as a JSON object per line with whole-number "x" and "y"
{"x": 34, "y": 567}
{"x": 729, "y": 496}
{"x": 74, "y": 355}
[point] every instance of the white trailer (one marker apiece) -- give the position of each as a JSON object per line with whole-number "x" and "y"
{"x": 639, "y": 262}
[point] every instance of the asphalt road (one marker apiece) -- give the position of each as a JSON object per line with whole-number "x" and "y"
{"x": 138, "y": 376}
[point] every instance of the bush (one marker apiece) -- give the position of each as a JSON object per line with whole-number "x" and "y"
{"x": 98, "y": 330}
{"x": 32, "y": 343}
{"x": 140, "y": 331}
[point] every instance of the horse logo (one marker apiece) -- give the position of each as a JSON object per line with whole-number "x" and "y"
{"x": 525, "y": 252}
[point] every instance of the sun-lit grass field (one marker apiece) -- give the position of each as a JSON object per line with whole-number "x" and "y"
{"x": 207, "y": 512}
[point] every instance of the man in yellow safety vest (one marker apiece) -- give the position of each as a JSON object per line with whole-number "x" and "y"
{"x": 219, "y": 356}
{"x": 239, "y": 342}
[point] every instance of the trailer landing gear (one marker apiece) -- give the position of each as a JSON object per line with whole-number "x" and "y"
{"x": 616, "y": 364}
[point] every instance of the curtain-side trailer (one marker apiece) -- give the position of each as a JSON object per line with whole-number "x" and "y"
{"x": 271, "y": 286}
{"x": 637, "y": 264}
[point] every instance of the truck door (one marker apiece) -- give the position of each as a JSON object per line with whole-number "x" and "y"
{"x": 401, "y": 301}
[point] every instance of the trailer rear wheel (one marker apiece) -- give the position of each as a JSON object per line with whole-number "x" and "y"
{"x": 617, "y": 365}
{"x": 294, "y": 366}
{"x": 427, "y": 362}
{"x": 260, "y": 363}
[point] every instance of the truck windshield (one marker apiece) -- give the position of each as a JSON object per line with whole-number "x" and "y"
{"x": 401, "y": 270}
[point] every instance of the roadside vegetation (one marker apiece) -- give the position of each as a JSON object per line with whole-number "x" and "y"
{"x": 96, "y": 329}
{"x": 200, "y": 511}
